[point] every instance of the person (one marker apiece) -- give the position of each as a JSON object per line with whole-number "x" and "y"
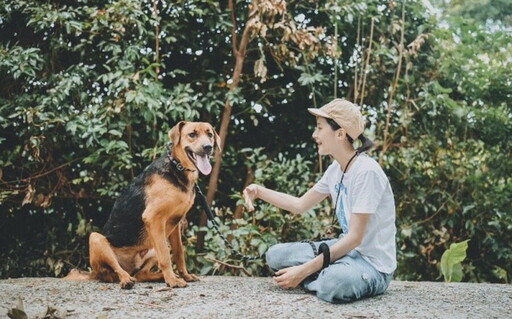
{"x": 361, "y": 261}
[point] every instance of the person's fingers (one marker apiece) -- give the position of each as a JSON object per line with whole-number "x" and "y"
{"x": 281, "y": 282}
{"x": 280, "y": 272}
{"x": 248, "y": 200}
{"x": 278, "y": 279}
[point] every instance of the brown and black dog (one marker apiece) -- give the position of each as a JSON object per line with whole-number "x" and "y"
{"x": 133, "y": 246}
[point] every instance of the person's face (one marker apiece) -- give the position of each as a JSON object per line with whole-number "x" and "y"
{"x": 324, "y": 137}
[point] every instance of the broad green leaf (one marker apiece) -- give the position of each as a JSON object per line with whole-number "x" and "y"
{"x": 451, "y": 266}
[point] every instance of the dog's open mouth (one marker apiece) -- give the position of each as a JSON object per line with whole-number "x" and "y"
{"x": 202, "y": 162}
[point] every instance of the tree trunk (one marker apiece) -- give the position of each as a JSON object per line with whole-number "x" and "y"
{"x": 239, "y": 51}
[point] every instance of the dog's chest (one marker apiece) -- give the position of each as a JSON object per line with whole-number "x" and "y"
{"x": 176, "y": 199}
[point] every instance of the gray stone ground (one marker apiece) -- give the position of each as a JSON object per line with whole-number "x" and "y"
{"x": 246, "y": 297}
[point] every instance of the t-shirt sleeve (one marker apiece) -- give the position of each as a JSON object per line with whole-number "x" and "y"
{"x": 368, "y": 191}
{"x": 322, "y": 186}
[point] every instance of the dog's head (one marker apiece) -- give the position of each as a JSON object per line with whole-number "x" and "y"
{"x": 194, "y": 143}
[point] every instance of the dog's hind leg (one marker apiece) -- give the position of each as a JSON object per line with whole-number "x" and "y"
{"x": 178, "y": 254}
{"x": 149, "y": 271}
{"x": 102, "y": 257}
{"x": 76, "y": 274}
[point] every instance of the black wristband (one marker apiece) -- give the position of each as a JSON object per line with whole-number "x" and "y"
{"x": 324, "y": 249}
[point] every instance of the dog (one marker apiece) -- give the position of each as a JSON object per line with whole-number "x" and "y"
{"x": 133, "y": 245}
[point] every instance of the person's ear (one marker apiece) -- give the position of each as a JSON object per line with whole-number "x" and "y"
{"x": 340, "y": 133}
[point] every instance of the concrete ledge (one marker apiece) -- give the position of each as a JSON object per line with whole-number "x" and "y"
{"x": 243, "y": 297}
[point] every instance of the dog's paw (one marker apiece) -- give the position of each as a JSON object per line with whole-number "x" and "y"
{"x": 190, "y": 277}
{"x": 128, "y": 283}
{"x": 176, "y": 283}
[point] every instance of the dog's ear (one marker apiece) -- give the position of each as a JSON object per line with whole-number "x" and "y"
{"x": 175, "y": 132}
{"x": 217, "y": 139}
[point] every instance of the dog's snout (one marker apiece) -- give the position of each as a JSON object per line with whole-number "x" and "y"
{"x": 208, "y": 148}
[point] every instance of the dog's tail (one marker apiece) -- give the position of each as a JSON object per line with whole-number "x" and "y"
{"x": 77, "y": 274}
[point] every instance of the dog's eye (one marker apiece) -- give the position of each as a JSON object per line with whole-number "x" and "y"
{"x": 192, "y": 135}
{"x": 210, "y": 135}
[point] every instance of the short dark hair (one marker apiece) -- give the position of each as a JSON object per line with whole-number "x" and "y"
{"x": 366, "y": 143}
{"x": 332, "y": 123}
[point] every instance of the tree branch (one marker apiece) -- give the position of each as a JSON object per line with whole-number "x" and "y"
{"x": 386, "y": 143}
{"x": 234, "y": 39}
{"x": 370, "y": 41}
{"x": 242, "y": 268}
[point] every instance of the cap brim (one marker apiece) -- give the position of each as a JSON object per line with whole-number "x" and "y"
{"x": 319, "y": 112}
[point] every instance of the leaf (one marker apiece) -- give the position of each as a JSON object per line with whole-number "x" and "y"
{"x": 260, "y": 69}
{"x": 29, "y": 196}
{"x": 457, "y": 273}
{"x": 306, "y": 79}
{"x": 15, "y": 313}
{"x": 115, "y": 133}
{"x": 262, "y": 248}
{"x": 451, "y": 266}
{"x": 53, "y": 313}
{"x": 18, "y": 312}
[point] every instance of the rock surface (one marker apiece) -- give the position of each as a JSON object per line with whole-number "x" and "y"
{"x": 248, "y": 297}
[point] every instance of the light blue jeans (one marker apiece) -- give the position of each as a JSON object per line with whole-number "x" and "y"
{"x": 347, "y": 279}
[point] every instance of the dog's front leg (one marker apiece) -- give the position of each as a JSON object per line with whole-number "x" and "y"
{"x": 178, "y": 254}
{"x": 155, "y": 228}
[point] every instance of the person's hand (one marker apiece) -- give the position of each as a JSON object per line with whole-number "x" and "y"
{"x": 250, "y": 194}
{"x": 290, "y": 277}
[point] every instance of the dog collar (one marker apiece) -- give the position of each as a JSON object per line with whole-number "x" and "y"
{"x": 176, "y": 163}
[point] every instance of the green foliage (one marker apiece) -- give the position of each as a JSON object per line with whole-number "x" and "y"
{"x": 253, "y": 234}
{"x": 456, "y": 176}
{"x": 451, "y": 261}
{"x": 493, "y": 12}
{"x": 86, "y": 101}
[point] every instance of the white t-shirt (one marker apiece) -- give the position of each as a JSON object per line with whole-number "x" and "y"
{"x": 365, "y": 189}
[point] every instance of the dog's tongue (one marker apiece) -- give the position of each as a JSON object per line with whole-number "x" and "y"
{"x": 203, "y": 164}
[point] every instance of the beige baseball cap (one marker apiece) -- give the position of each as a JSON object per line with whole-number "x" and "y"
{"x": 345, "y": 113}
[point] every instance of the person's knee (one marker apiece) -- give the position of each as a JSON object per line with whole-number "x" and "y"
{"x": 273, "y": 257}
{"x": 288, "y": 254}
{"x": 341, "y": 288}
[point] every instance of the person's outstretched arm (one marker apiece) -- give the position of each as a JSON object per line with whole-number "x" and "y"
{"x": 284, "y": 201}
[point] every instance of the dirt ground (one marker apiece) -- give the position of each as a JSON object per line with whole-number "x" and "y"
{"x": 247, "y": 297}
